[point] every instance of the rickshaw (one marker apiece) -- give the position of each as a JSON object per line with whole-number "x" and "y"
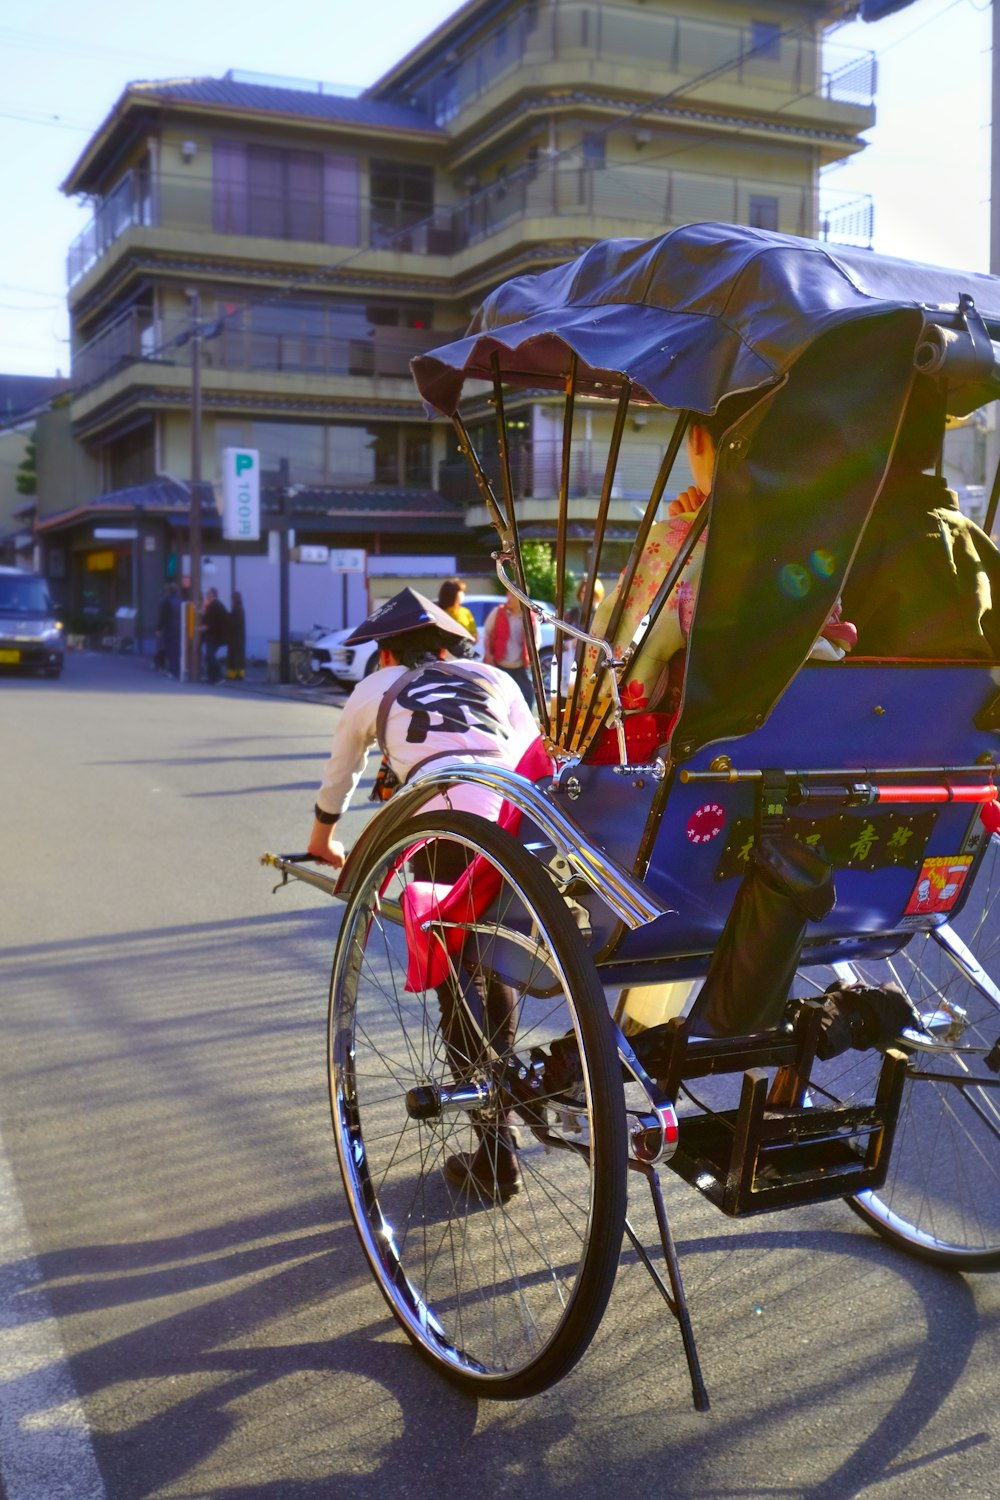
{"x": 676, "y": 889}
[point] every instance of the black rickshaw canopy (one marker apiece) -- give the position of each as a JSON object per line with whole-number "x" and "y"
{"x": 831, "y": 338}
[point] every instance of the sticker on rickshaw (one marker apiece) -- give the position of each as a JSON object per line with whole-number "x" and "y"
{"x": 848, "y": 843}
{"x": 706, "y": 823}
{"x": 939, "y": 883}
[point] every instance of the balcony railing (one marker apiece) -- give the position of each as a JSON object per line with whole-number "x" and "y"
{"x": 794, "y": 61}
{"x": 535, "y": 470}
{"x": 642, "y": 199}
{"x": 129, "y": 203}
{"x": 238, "y": 346}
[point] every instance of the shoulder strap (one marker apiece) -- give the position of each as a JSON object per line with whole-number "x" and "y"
{"x": 388, "y": 699}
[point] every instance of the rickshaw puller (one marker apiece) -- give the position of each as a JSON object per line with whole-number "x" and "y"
{"x": 419, "y": 708}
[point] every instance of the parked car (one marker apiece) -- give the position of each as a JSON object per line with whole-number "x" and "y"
{"x": 348, "y": 664}
{"x": 31, "y": 633}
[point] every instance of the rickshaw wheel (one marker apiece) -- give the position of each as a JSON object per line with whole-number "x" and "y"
{"x": 941, "y": 1197}
{"x": 501, "y": 1297}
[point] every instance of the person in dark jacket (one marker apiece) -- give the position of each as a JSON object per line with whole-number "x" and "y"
{"x": 215, "y": 628}
{"x": 237, "y": 658}
{"x": 925, "y": 583}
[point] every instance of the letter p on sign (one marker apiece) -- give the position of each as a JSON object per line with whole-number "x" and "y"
{"x": 241, "y": 494}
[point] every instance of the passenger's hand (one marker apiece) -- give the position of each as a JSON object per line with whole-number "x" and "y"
{"x": 687, "y": 501}
{"x": 323, "y": 845}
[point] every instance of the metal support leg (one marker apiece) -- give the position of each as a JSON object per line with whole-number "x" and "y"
{"x": 673, "y": 1295}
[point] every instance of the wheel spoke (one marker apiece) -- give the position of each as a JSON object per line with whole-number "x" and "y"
{"x": 503, "y": 1296}
{"x": 941, "y": 1196}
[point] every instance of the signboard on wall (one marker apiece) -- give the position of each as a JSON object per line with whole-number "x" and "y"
{"x": 241, "y": 494}
{"x": 347, "y": 559}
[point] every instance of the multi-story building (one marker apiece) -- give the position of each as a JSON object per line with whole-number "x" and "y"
{"x": 330, "y": 238}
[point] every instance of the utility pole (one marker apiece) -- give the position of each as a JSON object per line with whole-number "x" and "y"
{"x": 194, "y": 533}
{"x": 284, "y": 654}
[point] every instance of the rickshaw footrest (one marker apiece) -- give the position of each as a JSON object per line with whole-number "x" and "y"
{"x": 754, "y": 1159}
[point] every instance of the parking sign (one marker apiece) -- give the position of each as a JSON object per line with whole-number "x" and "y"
{"x": 241, "y": 494}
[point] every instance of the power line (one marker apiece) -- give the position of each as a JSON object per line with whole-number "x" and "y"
{"x": 53, "y": 120}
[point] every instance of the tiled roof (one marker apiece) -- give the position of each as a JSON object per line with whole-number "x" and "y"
{"x": 22, "y": 393}
{"x": 158, "y": 497}
{"x": 415, "y": 503}
{"x": 395, "y": 510}
{"x": 231, "y": 93}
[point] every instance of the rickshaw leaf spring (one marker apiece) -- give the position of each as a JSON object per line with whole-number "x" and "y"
{"x": 480, "y": 476}
{"x": 600, "y": 525}
{"x": 502, "y": 448}
{"x": 564, "y": 477}
{"x": 556, "y": 709}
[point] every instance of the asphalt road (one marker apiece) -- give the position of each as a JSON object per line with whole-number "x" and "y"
{"x": 184, "y": 1310}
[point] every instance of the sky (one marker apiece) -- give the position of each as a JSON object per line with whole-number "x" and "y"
{"x": 65, "y": 65}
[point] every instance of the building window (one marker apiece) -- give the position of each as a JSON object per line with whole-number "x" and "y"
{"x": 763, "y": 212}
{"x": 765, "y": 40}
{"x": 401, "y": 196}
{"x": 417, "y": 458}
{"x": 285, "y": 195}
{"x": 446, "y": 101}
{"x": 325, "y": 337}
{"x": 129, "y": 459}
{"x": 594, "y": 147}
{"x": 333, "y": 455}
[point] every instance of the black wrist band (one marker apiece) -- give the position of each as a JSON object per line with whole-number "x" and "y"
{"x": 324, "y": 817}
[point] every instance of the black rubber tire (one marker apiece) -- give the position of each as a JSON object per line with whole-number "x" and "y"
{"x": 501, "y": 1299}
{"x": 941, "y": 1198}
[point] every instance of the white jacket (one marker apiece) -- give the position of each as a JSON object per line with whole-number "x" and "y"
{"x": 485, "y": 718}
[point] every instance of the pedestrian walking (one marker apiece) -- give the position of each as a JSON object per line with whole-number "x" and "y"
{"x": 505, "y": 646}
{"x": 215, "y": 631}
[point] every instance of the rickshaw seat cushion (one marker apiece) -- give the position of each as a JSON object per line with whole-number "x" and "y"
{"x": 430, "y": 947}
{"x": 989, "y": 816}
{"x": 644, "y": 733}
